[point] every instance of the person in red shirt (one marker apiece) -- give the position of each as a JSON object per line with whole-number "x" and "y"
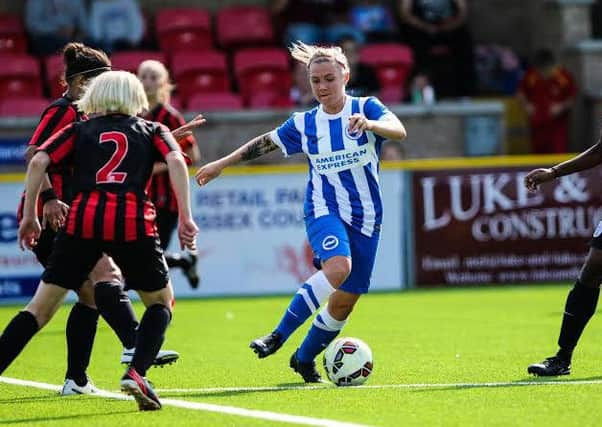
{"x": 155, "y": 79}
{"x": 112, "y": 156}
{"x": 548, "y": 93}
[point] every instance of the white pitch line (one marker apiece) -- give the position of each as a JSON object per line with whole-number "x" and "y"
{"x": 211, "y": 390}
{"x": 199, "y": 406}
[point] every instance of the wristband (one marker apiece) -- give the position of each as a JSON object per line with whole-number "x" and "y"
{"x": 554, "y": 172}
{"x": 48, "y": 195}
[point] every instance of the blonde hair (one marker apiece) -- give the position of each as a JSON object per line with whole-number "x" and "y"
{"x": 114, "y": 92}
{"x": 307, "y": 54}
{"x": 164, "y": 92}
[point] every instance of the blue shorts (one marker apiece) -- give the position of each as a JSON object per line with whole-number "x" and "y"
{"x": 330, "y": 236}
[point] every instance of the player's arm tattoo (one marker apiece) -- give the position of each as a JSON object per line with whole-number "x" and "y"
{"x": 257, "y": 147}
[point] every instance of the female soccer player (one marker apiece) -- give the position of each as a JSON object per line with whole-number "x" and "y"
{"x": 583, "y": 298}
{"x": 155, "y": 79}
{"x": 112, "y": 156}
{"x": 342, "y": 137}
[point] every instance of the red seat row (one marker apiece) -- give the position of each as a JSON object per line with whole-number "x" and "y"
{"x": 262, "y": 76}
{"x": 184, "y": 28}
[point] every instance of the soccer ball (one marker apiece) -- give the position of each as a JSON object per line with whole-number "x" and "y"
{"x": 348, "y": 361}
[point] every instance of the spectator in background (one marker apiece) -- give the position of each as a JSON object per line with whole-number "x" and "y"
{"x": 439, "y": 36}
{"x": 391, "y": 151}
{"x": 301, "y": 94}
{"x": 548, "y": 92}
{"x": 54, "y": 23}
{"x": 375, "y": 20}
{"x": 116, "y": 24}
{"x": 421, "y": 89}
{"x": 314, "y": 21}
{"x": 363, "y": 80}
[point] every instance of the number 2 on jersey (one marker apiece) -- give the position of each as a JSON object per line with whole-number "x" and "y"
{"x": 107, "y": 174}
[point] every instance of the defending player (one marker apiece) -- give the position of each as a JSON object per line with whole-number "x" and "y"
{"x": 343, "y": 207}
{"x": 582, "y": 300}
{"x": 82, "y": 64}
{"x": 155, "y": 79}
{"x": 112, "y": 156}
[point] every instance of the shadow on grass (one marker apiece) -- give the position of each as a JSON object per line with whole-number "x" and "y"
{"x": 27, "y": 421}
{"x": 525, "y": 382}
{"x": 243, "y": 391}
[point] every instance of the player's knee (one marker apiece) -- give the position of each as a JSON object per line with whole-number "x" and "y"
{"x": 337, "y": 269}
{"x": 105, "y": 271}
{"x": 105, "y": 292}
{"x": 85, "y": 295}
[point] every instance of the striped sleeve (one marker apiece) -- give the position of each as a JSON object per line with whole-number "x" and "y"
{"x": 60, "y": 145}
{"x": 175, "y": 121}
{"x": 164, "y": 142}
{"x": 287, "y": 137}
{"x": 53, "y": 119}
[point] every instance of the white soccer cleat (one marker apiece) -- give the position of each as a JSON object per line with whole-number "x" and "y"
{"x": 164, "y": 357}
{"x": 70, "y": 388}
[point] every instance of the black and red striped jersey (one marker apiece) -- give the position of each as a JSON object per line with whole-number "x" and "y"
{"x": 56, "y": 116}
{"x": 112, "y": 158}
{"x": 160, "y": 191}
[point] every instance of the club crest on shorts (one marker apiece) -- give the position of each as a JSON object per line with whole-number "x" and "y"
{"x": 330, "y": 242}
{"x": 355, "y": 135}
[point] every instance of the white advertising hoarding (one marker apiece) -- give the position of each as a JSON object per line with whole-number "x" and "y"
{"x": 251, "y": 241}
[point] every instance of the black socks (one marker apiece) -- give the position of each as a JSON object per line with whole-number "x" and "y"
{"x": 80, "y": 331}
{"x": 115, "y": 307}
{"x": 580, "y": 307}
{"x": 15, "y": 337}
{"x": 151, "y": 334}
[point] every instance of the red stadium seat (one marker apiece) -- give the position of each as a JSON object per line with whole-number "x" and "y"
{"x": 183, "y": 28}
{"x": 244, "y": 26}
{"x": 54, "y": 69}
{"x": 223, "y": 101}
{"x": 263, "y": 74}
{"x": 12, "y": 34}
{"x": 19, "y": 75}
{"x": 22, "y": 107}
{"x": 392, "y": 63}
{"x": 203, "y": 71}
{"x": 130, "y": 60}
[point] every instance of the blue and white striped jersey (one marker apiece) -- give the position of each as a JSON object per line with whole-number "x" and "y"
{"x": 343, "y": 167}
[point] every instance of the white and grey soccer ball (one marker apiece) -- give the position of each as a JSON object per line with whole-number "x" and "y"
{"x": 348, "y": 361}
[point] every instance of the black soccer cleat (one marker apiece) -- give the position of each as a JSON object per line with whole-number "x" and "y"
{"x": 140, "y": 388}
{"x": 267, "y": 345}
{"x": 189, "y": 263}
{"x": 551, "y": 367}
{"x": 306, "y": 369}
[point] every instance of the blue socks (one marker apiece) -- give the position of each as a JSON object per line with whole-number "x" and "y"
{"x": 306, "y": 301}
{"x": 323, "y": 330}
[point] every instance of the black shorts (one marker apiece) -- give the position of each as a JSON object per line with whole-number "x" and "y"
{"x": 44, "y": 247}
{"x": 141, "y": 262}
{"x": 167, "y": 221}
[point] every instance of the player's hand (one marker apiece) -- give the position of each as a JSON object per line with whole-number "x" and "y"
{"x": 186, "y": 129}
{"x": 54, "y": 214}
{"x": 29, "y": 233}
{"x": 187, "y": 232}
{"x": 208, "y": 172}
{"x": 537, "y": 177}
{"x": 359, "y": 122}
